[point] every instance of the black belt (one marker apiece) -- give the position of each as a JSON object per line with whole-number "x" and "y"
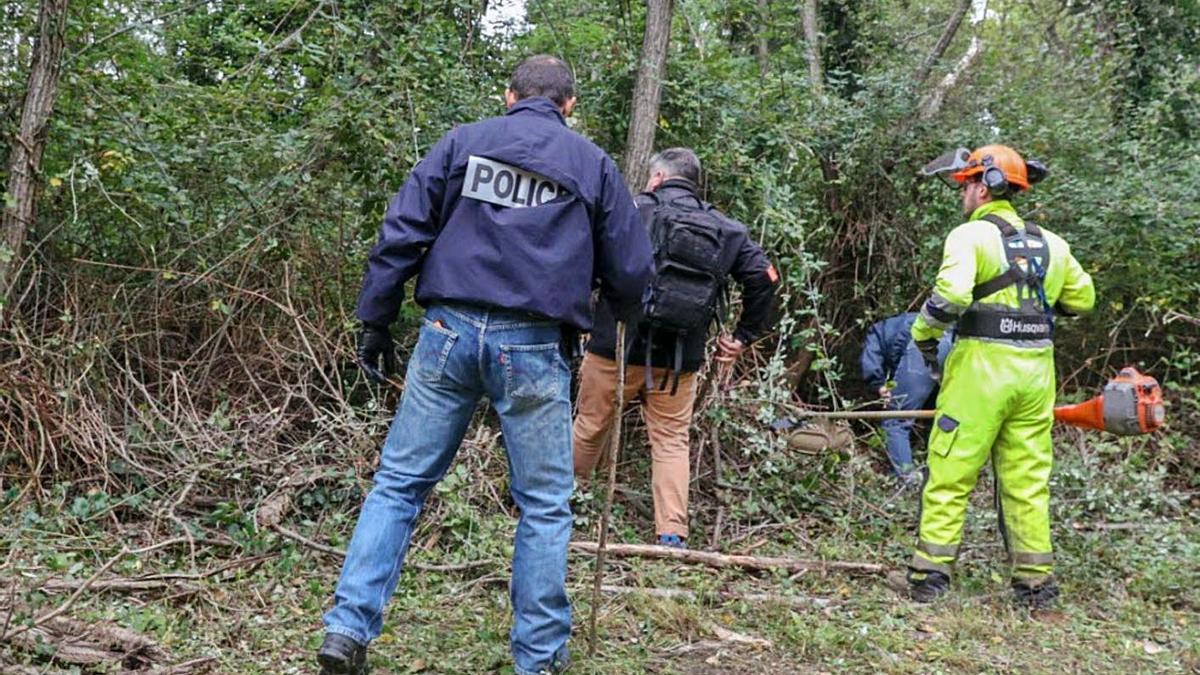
{"x": 999, "y": 325}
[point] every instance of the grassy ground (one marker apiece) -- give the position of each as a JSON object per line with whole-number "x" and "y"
{"x": 253, "y": 598}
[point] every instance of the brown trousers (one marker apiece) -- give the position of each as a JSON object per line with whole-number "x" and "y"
{"x": 668, "y": 421}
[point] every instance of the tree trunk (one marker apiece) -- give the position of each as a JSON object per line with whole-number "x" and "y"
{"x": 646, "y": 93}
{"x": 25, "y": 160}
{"x": 812, "y": 48}
{"x": 943, "y": 42}
{"x": 762, "y": 46}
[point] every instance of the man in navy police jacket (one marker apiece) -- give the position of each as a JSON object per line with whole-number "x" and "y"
{"x": 508, "y": 225}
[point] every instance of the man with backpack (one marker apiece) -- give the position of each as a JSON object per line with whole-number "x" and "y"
{"x": 697, "y": 250}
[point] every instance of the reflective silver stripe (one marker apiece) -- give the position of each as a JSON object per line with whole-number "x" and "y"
{"x": 945, "y": 305}
{"x": 1027, "y": 558}
{"x": 1023, "y": 344}
{"x": 1031, "y": 580}
{"x": 920, "y": 563}
{"x": 932, "y": 322}
{"x": 941, "y": 304}
{"x": 939, "y": 550}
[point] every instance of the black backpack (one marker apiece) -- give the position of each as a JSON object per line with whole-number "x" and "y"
{"x": 688, "y": 289}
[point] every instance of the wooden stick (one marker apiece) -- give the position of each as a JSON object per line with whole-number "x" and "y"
{"x": 614, "y": 454}
{"x": 119, "y": 584}
{"x": 684, "y": 594}
{"x": 806, "y": 413}
{"x": 722, "y": 560}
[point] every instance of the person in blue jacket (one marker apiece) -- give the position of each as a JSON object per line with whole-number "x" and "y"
{"x": 508, "y": 224}
{"x": 889, "y": 356}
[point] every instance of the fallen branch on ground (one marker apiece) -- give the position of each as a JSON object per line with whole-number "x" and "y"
{"x": 724, "y": 638}
{"x": 722, "y": 560}
{"x": 726, "y": 635}
{"x": 684, "y": 594}
{"x": 120, "y": 585}
{"x": 52, "y": 614}
{"x": 1102, "y": 525}
{"x": 89, "y": 643}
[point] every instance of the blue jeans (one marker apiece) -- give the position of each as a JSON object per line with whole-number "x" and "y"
{"x": 465, "y": 353}
{"x": 914, "y": 386}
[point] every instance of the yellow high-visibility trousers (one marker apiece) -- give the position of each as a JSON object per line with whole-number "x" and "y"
{"x": 996, "y": 400}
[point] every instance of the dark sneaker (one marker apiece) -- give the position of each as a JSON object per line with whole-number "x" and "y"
{"x": 671, "y": 541}
{"x": 341, "y": 655}
{"x": 1042, "y": 596}
{"x": 928, "y": 588}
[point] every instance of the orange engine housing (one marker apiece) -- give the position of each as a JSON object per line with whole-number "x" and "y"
{"x": 1132, "y": 404}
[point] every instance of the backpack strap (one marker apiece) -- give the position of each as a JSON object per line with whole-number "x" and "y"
{"x": 1014, "y": 274}
{"x": 646, "y": 211}
{"x": 649, "y": 349}
{"x": 662, "y": 386}
{"x": 1006, "y": 228}
{"x": 678, "y": 363}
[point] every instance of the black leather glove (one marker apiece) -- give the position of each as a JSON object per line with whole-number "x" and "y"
{"x": 929, "y": 352}
{"x": 375, "y": 341}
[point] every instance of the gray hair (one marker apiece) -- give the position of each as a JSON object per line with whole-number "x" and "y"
{"x": 677, "y": 163}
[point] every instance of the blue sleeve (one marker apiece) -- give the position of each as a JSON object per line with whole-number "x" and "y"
{"x": 872, "y": 359}
{"x": 412, "y": 222}
{"x": 624, "y": 262}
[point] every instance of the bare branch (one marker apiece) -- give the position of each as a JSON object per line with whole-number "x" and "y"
{"x": 932, "y": 103}
{"x": 943, "y": 42}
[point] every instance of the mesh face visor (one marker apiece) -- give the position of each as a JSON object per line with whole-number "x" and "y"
{"x": 946, "y": 165}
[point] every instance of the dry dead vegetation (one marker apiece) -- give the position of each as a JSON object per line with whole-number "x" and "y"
{"x": 178, "y": 482}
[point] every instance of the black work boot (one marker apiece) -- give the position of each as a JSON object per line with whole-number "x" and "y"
{"x": 928, "y": 588}
{"x": 1042, "y": 596}
{"x": 341, "y": 655}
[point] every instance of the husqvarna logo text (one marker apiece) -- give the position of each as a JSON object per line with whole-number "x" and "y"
{"x": 1009, "y": 326}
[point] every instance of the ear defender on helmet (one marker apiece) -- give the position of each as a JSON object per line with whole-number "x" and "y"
{"x": 993, "y": 178}
{"x": 1036, "y": 170}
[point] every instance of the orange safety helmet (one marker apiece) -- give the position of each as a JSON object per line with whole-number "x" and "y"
{"x": 1003, "y": 158}
{"x": 1000, "y": 168}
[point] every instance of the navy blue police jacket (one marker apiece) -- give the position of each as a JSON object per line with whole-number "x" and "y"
{"x": 517, "y": 212}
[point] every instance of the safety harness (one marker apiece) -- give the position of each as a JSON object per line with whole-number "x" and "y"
{"x": 1028, "y": 259}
